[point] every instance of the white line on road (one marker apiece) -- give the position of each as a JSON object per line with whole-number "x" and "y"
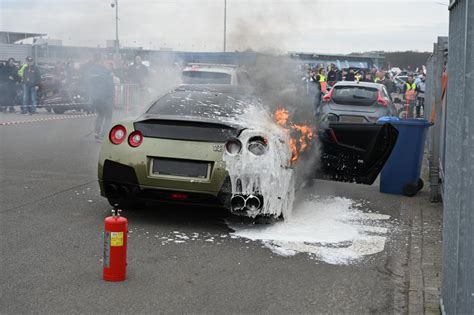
{"x": 62, "y": 117}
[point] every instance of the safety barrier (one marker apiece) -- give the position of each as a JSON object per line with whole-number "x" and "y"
{"x": 129, "y": 98}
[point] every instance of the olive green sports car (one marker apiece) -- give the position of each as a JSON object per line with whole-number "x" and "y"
{"x": 174, "y": 151}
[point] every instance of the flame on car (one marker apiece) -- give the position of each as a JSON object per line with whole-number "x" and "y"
{"x": 300, "y": 135}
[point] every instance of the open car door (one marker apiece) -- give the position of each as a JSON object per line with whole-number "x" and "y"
{"x": 354, "y": 152}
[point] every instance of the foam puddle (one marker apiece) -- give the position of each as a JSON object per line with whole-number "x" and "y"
{"x": 331, "y": 229}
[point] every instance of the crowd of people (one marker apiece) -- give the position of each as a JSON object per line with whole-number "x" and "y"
{"x": 318, "y": 81}
{"x": 27, "y": 84}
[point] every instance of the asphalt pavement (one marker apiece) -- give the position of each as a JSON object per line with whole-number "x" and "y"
{"x": 51, "y": 224}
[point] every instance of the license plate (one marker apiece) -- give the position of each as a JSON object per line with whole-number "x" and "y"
{"x": 352, "y": 119}
{"x": 182, "y": 168}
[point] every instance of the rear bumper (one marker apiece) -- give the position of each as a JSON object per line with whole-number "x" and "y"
{"x": 119, "y": 182}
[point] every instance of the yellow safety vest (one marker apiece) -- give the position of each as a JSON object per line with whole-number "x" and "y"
{"x": 411, "y": 86}
{"x": 376, "y": 80}
{"x": 322, "y": 78}
{"x": 358, "y": 77}
{"x": 21, "y": 72}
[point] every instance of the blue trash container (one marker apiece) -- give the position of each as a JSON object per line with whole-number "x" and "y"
{"x": 401, "y": 173}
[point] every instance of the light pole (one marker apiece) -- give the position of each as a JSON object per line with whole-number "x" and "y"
{"x": 225, "y": 23}
{"x": 117, "y": 45}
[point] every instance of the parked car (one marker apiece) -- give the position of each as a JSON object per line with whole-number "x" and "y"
{"x": 362, "y": 102}
{"x": 203, "y": 73}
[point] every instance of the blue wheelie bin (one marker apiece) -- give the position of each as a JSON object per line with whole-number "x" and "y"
{"x": 401, "y": 173}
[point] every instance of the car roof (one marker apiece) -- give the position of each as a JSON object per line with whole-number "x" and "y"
{"x": 355, "y": 83}
{"x": 217, "y": 88}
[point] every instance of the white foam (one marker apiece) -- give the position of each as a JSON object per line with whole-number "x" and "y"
{"x": 267, "y": 174}
{"x": 327, "y": 228}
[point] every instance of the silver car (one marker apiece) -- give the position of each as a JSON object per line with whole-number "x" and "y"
{"x": 356, "y": 102}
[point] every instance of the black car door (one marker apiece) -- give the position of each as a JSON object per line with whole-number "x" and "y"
{"x": 354, "y": 152}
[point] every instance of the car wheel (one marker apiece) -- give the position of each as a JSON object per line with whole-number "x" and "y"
{"x": 131, "y": 204}
{"x": 268, "y": 219}
{"x": 59, "y": 110}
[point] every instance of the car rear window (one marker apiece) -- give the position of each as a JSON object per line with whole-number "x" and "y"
{"x": 354, "y": 95}
{"x": 205, "y": 77}
{"x": 204, "y": 104}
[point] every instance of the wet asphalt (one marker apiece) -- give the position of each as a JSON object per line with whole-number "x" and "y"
{"x": 51, "y": 223}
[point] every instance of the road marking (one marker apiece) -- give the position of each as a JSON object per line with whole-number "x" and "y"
{"x": 62, "y": 117}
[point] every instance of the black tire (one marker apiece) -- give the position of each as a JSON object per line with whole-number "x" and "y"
{"x": 421, "y": 184}
{"x": 410, "y": 189}
{"x": 267, "y": 219}
{"x": 59, "y": 110}
{"x": 48, "y": 109}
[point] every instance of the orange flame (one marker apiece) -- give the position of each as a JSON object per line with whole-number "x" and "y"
{"x": 306, "y": 133}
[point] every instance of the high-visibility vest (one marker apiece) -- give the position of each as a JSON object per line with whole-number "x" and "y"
{"x": 411, "y": 91}
{"x": 376, "y": 80}
{"x": 411, "y": 86}
{"x": 323, "y": 83}
{"x": 21, "y": 72}
{"x": 358, "y": 77}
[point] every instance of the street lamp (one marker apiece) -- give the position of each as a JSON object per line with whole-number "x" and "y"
{"x": 117, "y": 45}
{"x": 225, "y": 23}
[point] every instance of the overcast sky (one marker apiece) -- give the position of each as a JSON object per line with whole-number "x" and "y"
{"x": 326, "y": 26}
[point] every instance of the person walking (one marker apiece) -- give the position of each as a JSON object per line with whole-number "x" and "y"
{"x": 101, "y": 94}
{"x": 31, "y": 79}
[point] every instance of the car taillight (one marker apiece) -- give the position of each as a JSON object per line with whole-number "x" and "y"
{"x": 380, "y": 100}
{"x": 117, "y": 134}
{"x": 327, "y": 97}
{"x": 135, "y": 139}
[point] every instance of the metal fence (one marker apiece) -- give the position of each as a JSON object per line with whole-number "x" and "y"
{"x": 129, "y": 98}
{"x": 458, "y": 196}
{"x": 435, "y": 110}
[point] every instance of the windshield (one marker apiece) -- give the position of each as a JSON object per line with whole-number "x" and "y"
{"x": 354, "y": 95}
{"x": 205, "y": 77}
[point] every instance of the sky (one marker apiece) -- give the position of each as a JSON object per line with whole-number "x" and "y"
{"x": 324, "y": 26}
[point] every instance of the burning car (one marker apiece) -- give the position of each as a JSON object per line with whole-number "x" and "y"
{"x": 202, "y": 145}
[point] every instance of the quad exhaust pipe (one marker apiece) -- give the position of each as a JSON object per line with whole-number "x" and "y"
{"x": 241, "y": 203}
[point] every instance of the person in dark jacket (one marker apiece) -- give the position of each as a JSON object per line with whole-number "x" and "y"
{"x": 332, "y": 76}
{"x": 8, "y": 85}
{"x": 389, "y": 84}
{"x": 31, "y": 79}
{"x": 101, "y": 94}
{"x": 351, "y": 75}
{"x": 138, "y": 72}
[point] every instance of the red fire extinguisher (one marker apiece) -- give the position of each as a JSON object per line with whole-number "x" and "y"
{"x": 115, "y": 247}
